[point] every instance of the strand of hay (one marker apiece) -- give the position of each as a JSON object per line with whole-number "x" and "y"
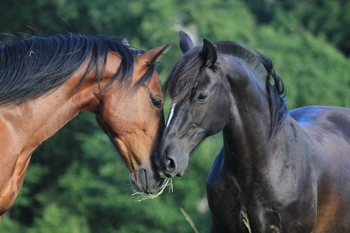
{"x": 246, "y": 221}
{"x": 189, "y": 220}
{"x": 141, "y": 196}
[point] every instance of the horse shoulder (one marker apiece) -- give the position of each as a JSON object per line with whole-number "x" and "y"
{"x": 220, "y": 182}
{"x": 10, "y": 146}
{"x": 223, "y": 199}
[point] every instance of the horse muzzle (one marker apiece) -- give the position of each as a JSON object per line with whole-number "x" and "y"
{"x": 146, "y": 181}
{"x": 171, "y": 165}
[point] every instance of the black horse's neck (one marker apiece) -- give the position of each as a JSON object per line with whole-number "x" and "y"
{"x": 247, "y": 135}
{"x": 258, "y": 111}
{"x": 244, "y": 151}
{"x": 238, "y": 166}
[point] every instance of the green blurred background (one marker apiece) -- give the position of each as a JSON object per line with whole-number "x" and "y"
{"x": 76, "y": 181}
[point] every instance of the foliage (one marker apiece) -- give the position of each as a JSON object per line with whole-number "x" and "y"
{"x": 76, "y": 182}
{"x": 323, "y": 18}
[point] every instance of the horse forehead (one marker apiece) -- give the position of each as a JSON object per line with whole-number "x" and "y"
{"x": 155, "y": 83}
{"x": 205, "y": 78}
{"x": 209, "y": 78}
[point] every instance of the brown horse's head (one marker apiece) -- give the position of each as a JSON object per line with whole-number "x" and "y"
{"x": 133, "y": 118}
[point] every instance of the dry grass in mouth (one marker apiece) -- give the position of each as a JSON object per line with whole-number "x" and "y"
{"x": 141, "y": 196}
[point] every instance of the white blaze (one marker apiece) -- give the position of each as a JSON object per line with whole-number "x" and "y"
{"x": 171, "y": 114}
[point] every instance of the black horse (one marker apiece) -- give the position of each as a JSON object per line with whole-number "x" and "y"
{"x": 288, "y": 171}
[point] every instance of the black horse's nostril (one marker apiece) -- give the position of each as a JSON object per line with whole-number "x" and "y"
{"x": 170, "y": 164}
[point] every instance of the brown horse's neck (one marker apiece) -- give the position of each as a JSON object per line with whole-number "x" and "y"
{"x": 39, "y": 119}
{"x": 25, "y": 126}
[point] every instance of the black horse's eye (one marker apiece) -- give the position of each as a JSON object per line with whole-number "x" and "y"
{"x": 156, "y": 102}
{"x": 202, "y": 97}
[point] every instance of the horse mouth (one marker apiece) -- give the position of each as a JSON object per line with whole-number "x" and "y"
{"x": 168, "y": 175}
{"x": 143, "y": 181}
{"x": 162, "y": 175}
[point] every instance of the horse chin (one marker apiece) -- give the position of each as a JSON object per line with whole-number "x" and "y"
{"x": 145, "y": 181}
{"x": 182, "y": 171}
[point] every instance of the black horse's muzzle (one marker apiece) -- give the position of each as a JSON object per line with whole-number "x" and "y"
{"x": 172, "y": 164}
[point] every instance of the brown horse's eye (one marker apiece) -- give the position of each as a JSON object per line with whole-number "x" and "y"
{"x": 156, "y": 102}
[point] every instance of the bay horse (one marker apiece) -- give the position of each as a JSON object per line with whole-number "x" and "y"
{"x": 47, "y": 81}
{"x": 285, "y": 171}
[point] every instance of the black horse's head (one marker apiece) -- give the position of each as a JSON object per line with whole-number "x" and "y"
{"x": 199, "y": 95}
{"x": 207, "y": 86}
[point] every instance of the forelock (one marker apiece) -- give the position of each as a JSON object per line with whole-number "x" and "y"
{"x": 182, "y": 79}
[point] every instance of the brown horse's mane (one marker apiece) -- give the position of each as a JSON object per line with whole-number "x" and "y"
{"x": 30, "y": 68}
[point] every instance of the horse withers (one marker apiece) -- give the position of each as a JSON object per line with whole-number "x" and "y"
{"x": 46, "y": 82}
{"x": 285, "y": 171}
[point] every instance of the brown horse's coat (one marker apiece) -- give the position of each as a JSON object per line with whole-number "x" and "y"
{"x": 127, "y": 117}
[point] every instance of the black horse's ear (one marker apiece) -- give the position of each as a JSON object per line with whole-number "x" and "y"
{"x": 186, "y": 43}
{"x": 209, "y": 53}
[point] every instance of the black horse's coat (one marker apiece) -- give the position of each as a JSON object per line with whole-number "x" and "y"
{"x": 289, "y": 171}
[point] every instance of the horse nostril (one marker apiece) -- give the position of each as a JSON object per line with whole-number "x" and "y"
{"x": 170, "y": 164}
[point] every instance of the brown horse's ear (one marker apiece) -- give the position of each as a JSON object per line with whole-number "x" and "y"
{"x": 126, "y": 42}
{"x": 209, "y": 53}
{"x": 152, "y": 56}
{"x": 186, "y": 43}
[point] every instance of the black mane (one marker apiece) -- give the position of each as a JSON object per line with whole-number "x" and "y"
{"x": 182, "y": 79}
{"x": 32, "y": 67}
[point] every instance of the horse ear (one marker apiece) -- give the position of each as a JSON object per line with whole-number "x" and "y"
{"x": 152, "y": 56}
{"x": 209, "y": 53}
{"x": 126, "y": 42}
{"x": 186, "y": 43}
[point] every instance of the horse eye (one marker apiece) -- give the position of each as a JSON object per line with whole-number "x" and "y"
{"x": 156, "y": 102}
{"x": 202, "y": 97}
